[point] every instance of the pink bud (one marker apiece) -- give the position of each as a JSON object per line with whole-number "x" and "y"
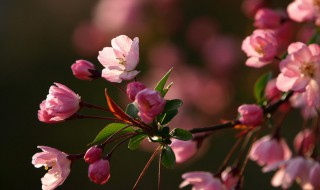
{"x": 201, "y": 181}
{"x": 306, "y": 139}
{"x": 250, "y": 114}
{"x": 230, "y": 178}
{"x": 267, "y": 19}
{"x": 99, "y": 171}
{"x": 93, "y": 154}
{"x": 133, "y": 88}
{"x": 81, "y": 69}
{"x": 271, "y": 91}
{"x": 61, "y": 103}
{"x": 267, "y": 151}
{"x": 314, "y": 176}
{"x": 150, "y": 104}
{"x": 183, "y": 150}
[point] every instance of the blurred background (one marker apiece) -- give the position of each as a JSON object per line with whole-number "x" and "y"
{"x": 40, "y": 39}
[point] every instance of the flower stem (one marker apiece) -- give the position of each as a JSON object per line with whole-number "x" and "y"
{"x": 94, "y": 106}
{"x": 215, "y": 127}
{"x": 97, "y": 117}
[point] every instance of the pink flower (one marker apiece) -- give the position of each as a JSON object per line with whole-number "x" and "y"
{"x": 120, "y": 60}
{"x": 267, "y": 19}
{"x": 230, "y": 178}
{"x": 304, "y": 10}
{"x": 201, "y": 181}
{"x": 267, "y": 151}
{"x": 150, "y": 104}
{"x": 314, "y": 175}
{"x": 93, "y": 154}
{"x": 61, "y": 103}
{"x": 272, "y": 93}
{"x": 99, "y": 171}
{"x": 83, "y": 70}
{"x": 294, "y": 169}
{"x": 58, "y": 163}
{"x": 250, "y": 114}
{"x": 133, "y": 88}
{"x": 304, "y": 142}
{"x": 183, "y": 150}
{"x": 300, "y": 67}
{"x": 261, "y": 47}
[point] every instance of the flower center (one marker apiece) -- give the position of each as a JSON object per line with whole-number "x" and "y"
{"x": 308, "y": 69}
{"x": 121, "y": 60}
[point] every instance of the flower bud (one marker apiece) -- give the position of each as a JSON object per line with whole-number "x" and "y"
{"x": 81, "y": 69}
{"x": 150, "y": 104}
{"x": 133, "y": 88}
{"x": 93, "y": 154}
{"x": 230, "y": 178}
{"x": 250, "y": 114}
{"x": 267, "y": 18}
{"x": 183, "y": 150}
{"x": 304, "y": 141}
{"x": 99, "y": 171}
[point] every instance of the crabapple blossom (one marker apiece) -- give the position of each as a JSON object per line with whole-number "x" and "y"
{"x": 304, "y": 10}
{"x": 250, "y": 114}
{"x": 99, "y": 171}
{"x": 314, "y": 175}
{"x": 93, "y": 154}
{"x": 133, "y": 88}
{"x": 304, "y": 141}
{"x": 150, "y": 104}
{"x": 294, "y": 169}
{"x": 121, "y": 59}
{"x": 183, "y": 150}
{"x": 61, "y": 103}
{"x": 202, "y": 181}
{"x": 267, "y": 19}
{"x": 268, "y": 150}
{"x": 261, "y": 47}
{"x": 81, "y": 69}
{"x": 58, "y": 163}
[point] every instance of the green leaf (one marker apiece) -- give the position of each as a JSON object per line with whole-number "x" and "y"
{"x": 168, "y": 159}
{"x": 160, "y": 86}
{"x": 260, "y": 86}
{"x": 165, "y": 90}
{"x": 172, "y": 105}
{"x": 132, "y": 110}
{"x": 110, "y": 130}
{"x": 135, "y": 141}
{"x": 181, "y": 134}
{"x": 167, "y": 117}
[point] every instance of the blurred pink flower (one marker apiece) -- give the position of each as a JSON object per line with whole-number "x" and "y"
{"x": 58, "y": 163}
{"x": 250, "y": 114}
{"x": 267, "y": 151}
{"x": 300, "y": 100}
{"x": 202, "y": 181}
{"x": 133, "y": 88}
{"x": 271, "y": 91}
{"x": 250, "y": 7}
{"x": 81, "y": 69}
{"x": 121, "y": 59}
{"x": 61, "y": 103}
{"x": 183, "y": 150}
{"x": 294, "y": 169}
{"x": 314, "y": 175}
{"x": 261, "y": 48}
{"x": 93, "y": 154}
{"x": 304, "y": 10}
{"x": 266, "y": 18}
{"x": 150, "y": 104}
{"x": 99, "y": 171}
{"x": 304, "y": 142}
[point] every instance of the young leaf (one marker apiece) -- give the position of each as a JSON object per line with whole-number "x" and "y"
{"x": 168, "y": 159}
{"x": 172, "y": 105}
{"x": 165, "y": 90}
{"x": 132, "y": 110}
{"x": 160, "y": 86}
{"x": 167, "y": 117}
{"x": 135, "y": 141}
{"x": 109, "y": 130}
{"x": 181, "y": 134}
{"x": 260, "y": 86}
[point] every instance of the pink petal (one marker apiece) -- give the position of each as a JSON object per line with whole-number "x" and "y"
{"x": 133, "y": 55}
{"x": 285, "y": 83}
{"x": 255, "y": 62}
{"x": 111, "y": 75}
{"x": 129, "y": 75}
{"x": 107, "y": 58}
{"x": 295, "y": 47}
{"x": 122, "y": 43}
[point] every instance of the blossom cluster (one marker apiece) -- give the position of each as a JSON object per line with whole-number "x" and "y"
{"x": 148, "y": 114}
